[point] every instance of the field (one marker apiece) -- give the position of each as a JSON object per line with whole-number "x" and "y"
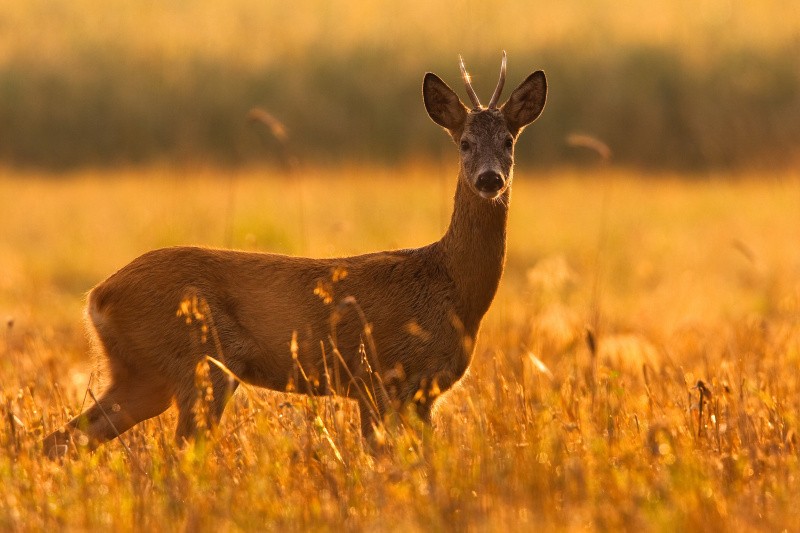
{"x": 639, "y": 369}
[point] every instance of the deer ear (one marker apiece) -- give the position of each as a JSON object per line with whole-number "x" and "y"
{"x": 442, "y": 103}
{"x": 526, "y": 102}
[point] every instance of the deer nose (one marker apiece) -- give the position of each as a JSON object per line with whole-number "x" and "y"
{"x": 489, "y": 181}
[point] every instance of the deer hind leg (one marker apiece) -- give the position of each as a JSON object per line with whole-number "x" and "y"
{"x": 137, "y": 390}
{"x": 191, "y": 415}
{"x": 118, "y": 409}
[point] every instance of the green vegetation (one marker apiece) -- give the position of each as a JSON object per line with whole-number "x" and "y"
{"x": 680, "y": 282}
{"x": 666, "y": 84}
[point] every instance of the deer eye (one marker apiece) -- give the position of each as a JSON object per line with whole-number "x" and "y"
{"x": 464, "y": 146}
{"x": 509, "y": 144}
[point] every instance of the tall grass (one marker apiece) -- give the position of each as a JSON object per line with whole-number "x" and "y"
{"x": 555, "y": 427}
{"x": 665, "y": 84}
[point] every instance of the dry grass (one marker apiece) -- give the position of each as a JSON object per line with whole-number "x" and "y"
{"x": 680, "y": 282}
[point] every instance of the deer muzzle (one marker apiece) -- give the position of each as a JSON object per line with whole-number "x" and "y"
{"x": 489, "y": 183}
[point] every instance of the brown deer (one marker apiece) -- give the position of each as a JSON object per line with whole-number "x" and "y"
{"x": 404, "y": 319}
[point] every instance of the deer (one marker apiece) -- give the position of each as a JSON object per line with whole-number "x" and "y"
{"x": 278, "y": 317}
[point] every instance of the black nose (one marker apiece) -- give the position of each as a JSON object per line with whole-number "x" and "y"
{"x": 489, "y": 181}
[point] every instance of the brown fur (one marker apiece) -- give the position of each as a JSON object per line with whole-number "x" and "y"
{"x": 424, "y": 305}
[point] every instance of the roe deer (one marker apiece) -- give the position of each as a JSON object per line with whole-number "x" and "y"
{"x": 424, "y": 305}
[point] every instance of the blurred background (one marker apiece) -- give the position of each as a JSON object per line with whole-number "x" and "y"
{"x": 666, "y": 84}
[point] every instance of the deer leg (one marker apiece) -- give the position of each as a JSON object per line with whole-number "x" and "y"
{"x": 430, "y": 390}
{"x": 118, "y": 409}
{"x": 188, "y": 414}
{"x": 369, "y": 417}
{"x": 423, "y": 409}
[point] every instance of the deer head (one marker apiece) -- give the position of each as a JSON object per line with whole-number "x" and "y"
{"x": 485, "y": 135}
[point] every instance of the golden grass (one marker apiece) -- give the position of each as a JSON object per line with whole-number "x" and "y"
{"x": 680, "y": 281}
{"x": 255, "y": 34}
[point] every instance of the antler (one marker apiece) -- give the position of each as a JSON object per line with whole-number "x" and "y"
{"x": 499, "y": 89}
{"x": 470, "y": 91}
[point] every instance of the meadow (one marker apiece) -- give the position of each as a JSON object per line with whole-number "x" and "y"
{"x": 638, "y": 370}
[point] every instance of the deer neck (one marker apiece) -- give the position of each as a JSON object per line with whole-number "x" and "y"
{"x": 474, "y": 249}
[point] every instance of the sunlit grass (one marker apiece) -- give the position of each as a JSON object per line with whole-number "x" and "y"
{"x": 254, "y": 33}
{"x": 678, "y": 281}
